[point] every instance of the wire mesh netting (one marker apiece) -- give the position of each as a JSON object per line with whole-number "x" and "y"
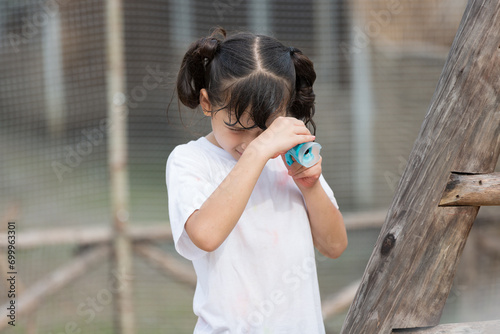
{"x": 378, "y": 63}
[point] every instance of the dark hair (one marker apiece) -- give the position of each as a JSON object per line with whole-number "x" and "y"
{"x": 246, "y": 70}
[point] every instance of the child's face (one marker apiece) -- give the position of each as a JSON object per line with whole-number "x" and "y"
{"x": 234, "y": 139}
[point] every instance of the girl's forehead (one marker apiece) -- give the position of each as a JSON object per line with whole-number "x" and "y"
{"x": 246, "y": 120}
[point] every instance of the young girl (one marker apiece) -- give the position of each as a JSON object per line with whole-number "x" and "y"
{"x": 247, "y": 221}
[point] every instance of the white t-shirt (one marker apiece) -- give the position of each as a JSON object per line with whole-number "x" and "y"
{"x": 262, "y": 279}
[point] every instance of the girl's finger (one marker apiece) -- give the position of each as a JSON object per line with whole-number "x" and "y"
{"x": 301, "y": 171}
{"x": 304, "y": 138}
{"x": 301, "y": 130}
{"x": 297, "y": 169}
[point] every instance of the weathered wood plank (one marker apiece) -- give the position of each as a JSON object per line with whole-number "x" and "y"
{"x": 484, "y": 327}
{"x": 410, "y": 273}
{"x": 472, "y": 190}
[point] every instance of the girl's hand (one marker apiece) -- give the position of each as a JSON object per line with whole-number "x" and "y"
{"x": 304, "y": 178}
{"x": 283, "y": 134}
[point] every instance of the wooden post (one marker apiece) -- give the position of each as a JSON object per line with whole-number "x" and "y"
{"x": 117, "y": 134}
{"x": 410, "y": 272}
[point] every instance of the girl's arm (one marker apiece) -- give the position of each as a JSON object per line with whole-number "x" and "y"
{"x": 327, "y": 224}
{"x": 209, "y": 226}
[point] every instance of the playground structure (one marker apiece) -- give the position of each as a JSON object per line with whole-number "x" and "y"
{"x": 464, "y": 117}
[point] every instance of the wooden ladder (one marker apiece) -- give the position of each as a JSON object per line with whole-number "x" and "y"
{"x": 410, "y": 273}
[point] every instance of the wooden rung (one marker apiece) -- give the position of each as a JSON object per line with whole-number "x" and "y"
{"x": 86, "y": 235}
{"x": 340, "y": 301}
{"x": 472, "y": 190}
{"x": 170, "y": 266}
{"x": 142, "y": 231}
{"x": 484, "y": 327}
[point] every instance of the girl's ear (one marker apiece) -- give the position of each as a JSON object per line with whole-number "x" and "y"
{"x": 206, "y": 106}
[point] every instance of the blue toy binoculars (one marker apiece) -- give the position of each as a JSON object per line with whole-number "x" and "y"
{"x": 306, "y": 154}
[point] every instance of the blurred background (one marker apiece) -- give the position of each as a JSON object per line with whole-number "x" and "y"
{"x": 377, "y": 62}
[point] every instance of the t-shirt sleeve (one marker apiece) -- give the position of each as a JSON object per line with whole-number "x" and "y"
{"x": 328, "y": 191}
{"x": 188, "y": 187}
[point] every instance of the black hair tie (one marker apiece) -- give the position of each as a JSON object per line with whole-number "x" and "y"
{"x": 292, "y": 50}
